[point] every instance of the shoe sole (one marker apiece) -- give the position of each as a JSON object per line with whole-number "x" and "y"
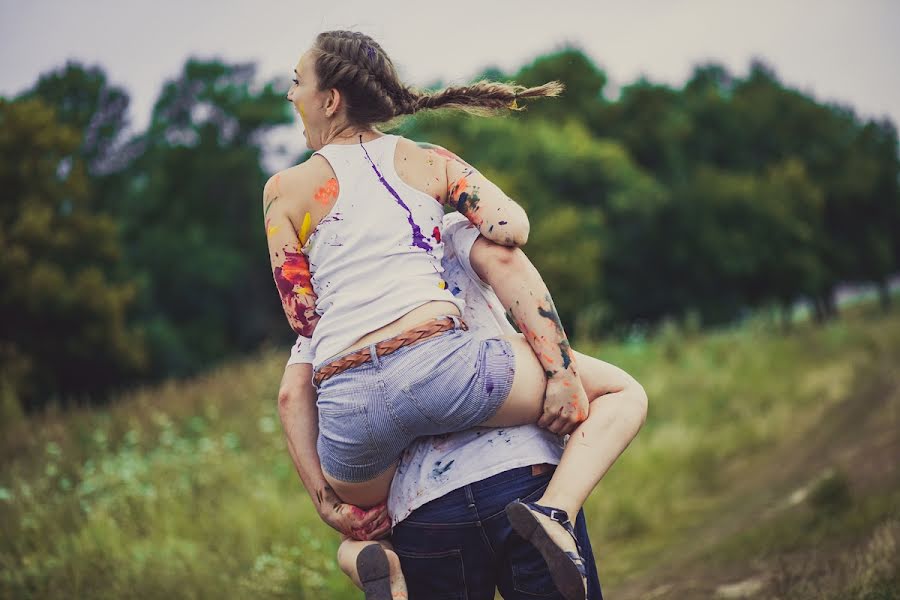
{"x": 374, "y": 572}
{"x": 565, "y": 574}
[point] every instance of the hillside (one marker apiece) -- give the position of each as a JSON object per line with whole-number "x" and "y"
{"x": 767, "y": 468}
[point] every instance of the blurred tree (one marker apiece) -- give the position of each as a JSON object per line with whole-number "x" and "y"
{"x": 88, "y": 104}
{"x": 191, "y": 217}
{"x": 582, "y": 100}
{"x": 651, "y": 122}
{"x": 866, "y": 207}
{"x": 62, "y": 320}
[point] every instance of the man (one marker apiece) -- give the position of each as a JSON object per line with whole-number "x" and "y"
{"x": 448, "y": 496}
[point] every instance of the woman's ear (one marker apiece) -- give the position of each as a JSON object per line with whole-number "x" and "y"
{"x": 333, "y": 102}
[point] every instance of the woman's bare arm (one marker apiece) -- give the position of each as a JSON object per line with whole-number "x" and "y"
{"x": 282, "y": 199}
{"x": 525, "y": 296}
{"x": 498, "y": 217}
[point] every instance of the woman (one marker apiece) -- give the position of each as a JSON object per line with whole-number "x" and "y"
{"x": 495, "y": 466}
{"x": 354, "y": 241}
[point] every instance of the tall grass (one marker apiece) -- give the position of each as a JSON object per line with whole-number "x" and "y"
{"x": 187, "y": 490}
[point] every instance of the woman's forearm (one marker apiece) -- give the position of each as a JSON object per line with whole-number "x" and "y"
{"x": 523, "y": 293}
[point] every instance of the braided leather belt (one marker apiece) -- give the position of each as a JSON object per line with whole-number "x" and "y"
{"x": 418, "y": 333}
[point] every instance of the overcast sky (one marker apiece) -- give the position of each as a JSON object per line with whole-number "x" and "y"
{"x": 844, "y": 51}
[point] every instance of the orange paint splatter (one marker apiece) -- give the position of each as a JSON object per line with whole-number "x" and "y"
{"x": 328, "y": 192}
{"x": 459, "y": 188}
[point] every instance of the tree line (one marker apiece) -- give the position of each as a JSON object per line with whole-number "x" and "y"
{"x": 127, "y": 257}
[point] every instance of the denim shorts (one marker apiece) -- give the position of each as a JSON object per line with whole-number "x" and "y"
{"x": 370, "y": 413}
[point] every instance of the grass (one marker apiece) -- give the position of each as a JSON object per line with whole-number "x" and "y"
{"x": 760, "y": 459}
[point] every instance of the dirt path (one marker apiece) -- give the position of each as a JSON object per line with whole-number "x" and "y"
{"x": 859, "y": 435}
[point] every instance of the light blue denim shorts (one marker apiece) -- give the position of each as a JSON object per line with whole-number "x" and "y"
{"x": 370, "y": 413}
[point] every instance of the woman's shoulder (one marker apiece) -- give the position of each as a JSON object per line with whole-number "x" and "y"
{"x": 425, "y": 148}
{"x": 301, "y": 181}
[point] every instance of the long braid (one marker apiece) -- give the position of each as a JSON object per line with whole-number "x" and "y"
{"x": 355, "y": 64}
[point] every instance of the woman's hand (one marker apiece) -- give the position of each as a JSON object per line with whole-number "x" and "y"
{"x": 565, "y": 405}
{"x": 352, "y": 521}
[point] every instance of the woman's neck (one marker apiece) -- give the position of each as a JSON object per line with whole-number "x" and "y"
{"x": 352, "y": 135}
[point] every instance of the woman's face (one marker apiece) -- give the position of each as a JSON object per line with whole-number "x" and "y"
{"x": 308, "y": 101}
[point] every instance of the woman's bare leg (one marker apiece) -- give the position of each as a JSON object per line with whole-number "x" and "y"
{"x": 364, "y": 494}
{"x": 348, "y": 555}
{"x": 618, "y": 407}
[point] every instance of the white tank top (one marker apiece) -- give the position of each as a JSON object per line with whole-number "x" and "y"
{"x": 377, "y": 254}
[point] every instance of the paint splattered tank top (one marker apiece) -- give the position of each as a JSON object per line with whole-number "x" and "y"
{"x": 377, "y": 254}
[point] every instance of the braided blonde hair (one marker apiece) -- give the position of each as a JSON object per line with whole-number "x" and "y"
{"x": 356, "y": 65}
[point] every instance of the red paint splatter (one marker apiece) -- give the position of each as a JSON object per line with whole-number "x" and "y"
{"x": 294, "y": 285}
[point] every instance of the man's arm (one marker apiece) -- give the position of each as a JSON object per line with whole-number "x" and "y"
{"x": 523, "y": 293}
{"x": 299, "y": 418}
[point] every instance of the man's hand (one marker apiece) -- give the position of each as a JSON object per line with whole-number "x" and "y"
{"x": 352, "y": 521}
{"x": 565, "y": 405}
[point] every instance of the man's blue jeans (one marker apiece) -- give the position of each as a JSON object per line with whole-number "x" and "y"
{"x": 461, "y": 546}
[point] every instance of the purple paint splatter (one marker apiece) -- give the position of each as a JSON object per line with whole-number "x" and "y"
{"x": 418, "y": 238}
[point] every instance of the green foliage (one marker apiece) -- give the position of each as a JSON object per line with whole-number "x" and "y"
{"x": 190, "y": 220}
{"x": 63, "y": 321}
{"x": 85, "y": 101}
{"x": 831, "y": 494}
{"x": 187, "y": 489}
{"x": 709, "y": 200}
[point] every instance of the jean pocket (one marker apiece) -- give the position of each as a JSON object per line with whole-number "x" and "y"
{"x": 346, "y": 433}
{"x": 438, "y": 576}
{"x": 530, "y": 573}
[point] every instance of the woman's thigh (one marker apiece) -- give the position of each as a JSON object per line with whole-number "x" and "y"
{"x": 525, "y": 401}
{"x": 526, "y": 398}
{"x": 364, "y": 494}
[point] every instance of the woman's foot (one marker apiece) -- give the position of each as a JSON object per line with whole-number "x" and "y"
{"x": 550, "y": 531}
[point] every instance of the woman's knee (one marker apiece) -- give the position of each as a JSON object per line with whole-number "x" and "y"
{"x": 600, "y": 378}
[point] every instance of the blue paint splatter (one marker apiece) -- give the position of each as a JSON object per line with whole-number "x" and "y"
{"x": 418, "y": 238}
{"x": 564, "y": 350}
{"x": 439, "y": 470}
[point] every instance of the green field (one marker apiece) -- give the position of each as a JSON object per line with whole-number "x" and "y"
{"x": 767, "y": 468}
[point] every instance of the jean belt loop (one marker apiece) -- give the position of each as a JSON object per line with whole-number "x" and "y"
{"x": 456, "y": 322}
{"x": 376, "y": 360}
